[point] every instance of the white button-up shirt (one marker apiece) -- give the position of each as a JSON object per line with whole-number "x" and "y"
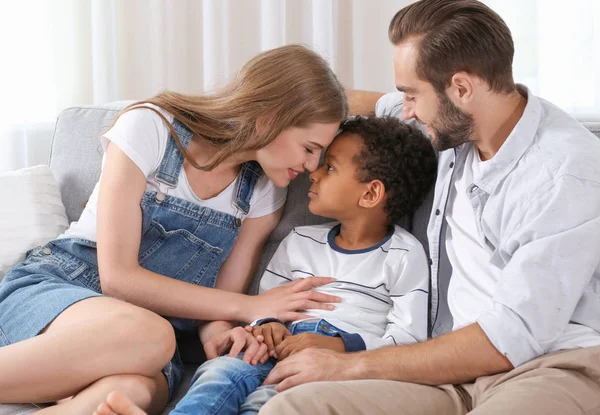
{"x": 537, "y": 213}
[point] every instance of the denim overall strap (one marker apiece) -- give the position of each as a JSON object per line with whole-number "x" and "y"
{"x": 249, "y": 175}
{"x": 172, "y": 161}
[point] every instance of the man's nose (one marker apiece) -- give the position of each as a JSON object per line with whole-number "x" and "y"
{"x": 408, "y": 111}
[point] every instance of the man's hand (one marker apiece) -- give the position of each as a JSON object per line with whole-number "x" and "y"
{"x": 312, "y": 365}
{"x": 236, "y": 340}
{"x": 452, "y": 358}
{"x": 294, "y": 344}
{"x": 272, "y": 333}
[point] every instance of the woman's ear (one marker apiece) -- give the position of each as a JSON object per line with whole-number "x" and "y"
{"x": 373, "y": 195}
{"x": 262, "y": 123}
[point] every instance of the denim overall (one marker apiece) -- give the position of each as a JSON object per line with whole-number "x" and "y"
{"x": 180, "y": 239}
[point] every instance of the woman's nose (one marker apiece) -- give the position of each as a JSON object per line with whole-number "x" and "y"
{"x": 312, "y": 163}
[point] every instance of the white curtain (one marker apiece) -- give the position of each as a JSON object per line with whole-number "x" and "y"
{"x": 60, "y": 53}
{"x": 557, "y": 50}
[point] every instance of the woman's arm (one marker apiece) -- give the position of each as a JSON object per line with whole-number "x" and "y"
{"x": 236, "y": 273}
{"x": 239, "y": 268}
{"x": 122, "y": 185}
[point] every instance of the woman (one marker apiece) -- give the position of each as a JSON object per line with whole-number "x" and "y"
{"x": 190, "y": 189}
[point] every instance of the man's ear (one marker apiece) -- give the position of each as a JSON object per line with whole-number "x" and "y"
{"x": 373, "y": 195}
{"x": 462, "y": 88}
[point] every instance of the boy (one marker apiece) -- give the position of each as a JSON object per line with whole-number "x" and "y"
{"x": 375, "y": 172}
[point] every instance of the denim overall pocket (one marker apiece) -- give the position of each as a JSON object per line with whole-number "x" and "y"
{"x": 178, "y": 254}
{"x": 60, "y": 254}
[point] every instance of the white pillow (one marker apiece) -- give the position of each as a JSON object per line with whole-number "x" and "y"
{"x": 31, "y": 213}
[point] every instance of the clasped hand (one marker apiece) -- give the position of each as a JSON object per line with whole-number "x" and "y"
{"x": 268, "y": 340}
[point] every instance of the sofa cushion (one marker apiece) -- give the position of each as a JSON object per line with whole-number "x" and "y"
{"x": 76, "y": 153}
{"x": 594, "y": 127}
{"x": 31, "y": 214}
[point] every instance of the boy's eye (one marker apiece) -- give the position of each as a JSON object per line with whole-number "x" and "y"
{"x": 410, "y": 99}
{"x": 329, "y": 167}
{"x": 308, "y": 150}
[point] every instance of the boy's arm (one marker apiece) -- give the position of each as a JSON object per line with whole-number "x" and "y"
{"x": 407, "y": 320}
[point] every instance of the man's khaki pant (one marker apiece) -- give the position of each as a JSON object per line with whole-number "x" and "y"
{"x": 561, "y": 383}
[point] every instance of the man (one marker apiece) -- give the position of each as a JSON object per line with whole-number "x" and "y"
{"x": 515, "y": 223}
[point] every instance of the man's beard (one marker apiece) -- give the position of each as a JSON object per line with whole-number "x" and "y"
{"x": 452, "y": 127}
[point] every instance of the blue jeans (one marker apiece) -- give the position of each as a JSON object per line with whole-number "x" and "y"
{"x": 228, "y": 385}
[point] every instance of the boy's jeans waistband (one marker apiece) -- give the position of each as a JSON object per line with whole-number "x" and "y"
{"x": 314, "y": 325}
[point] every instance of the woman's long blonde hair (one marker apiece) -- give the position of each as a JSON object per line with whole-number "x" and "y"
{"x": 290, "y": 86}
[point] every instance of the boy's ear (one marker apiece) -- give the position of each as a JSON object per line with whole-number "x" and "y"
{"x": 373, "y": 195}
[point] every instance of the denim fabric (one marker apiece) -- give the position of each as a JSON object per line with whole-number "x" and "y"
{"x": 257, "y": 399}
{"x": 228, "y": 385}
{"x": 179, "y": 239}
{"x": 38, "y": 289}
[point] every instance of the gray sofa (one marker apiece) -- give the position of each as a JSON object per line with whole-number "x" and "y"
{"x": 75, "y": 162}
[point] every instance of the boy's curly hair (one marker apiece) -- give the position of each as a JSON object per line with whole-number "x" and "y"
{"x": 397, "y": 154}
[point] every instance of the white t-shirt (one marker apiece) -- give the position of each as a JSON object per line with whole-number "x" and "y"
{"x": 142, "y": 135}
{"x": 473, "y": 276}
{"x": 384, "y": 289}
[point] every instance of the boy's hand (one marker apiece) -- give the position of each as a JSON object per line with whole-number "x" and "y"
{"x": 272, "y": 333}
{"x": 293, "y": 344}
{"x": 236, "y": 340}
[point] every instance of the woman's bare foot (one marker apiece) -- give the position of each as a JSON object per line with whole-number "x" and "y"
{"x": 118, "y": 404}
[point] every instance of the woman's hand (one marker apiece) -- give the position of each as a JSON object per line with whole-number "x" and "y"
{"x": 285, "y": 301}
{"x": 236, "y": 340}
{"x": 272, "y": 334}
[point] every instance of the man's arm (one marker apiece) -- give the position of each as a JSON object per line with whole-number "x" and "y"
{"x": 407, "y": 319}
{"x": 456, "y": 357}
{"x": 362, "y": 102}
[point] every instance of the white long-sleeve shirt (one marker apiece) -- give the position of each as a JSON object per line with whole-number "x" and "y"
{"x": 384, "y": 288}
{"x": 536, "y": 219}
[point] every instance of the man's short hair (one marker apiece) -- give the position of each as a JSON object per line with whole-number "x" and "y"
{"x": 454, "y": 36}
